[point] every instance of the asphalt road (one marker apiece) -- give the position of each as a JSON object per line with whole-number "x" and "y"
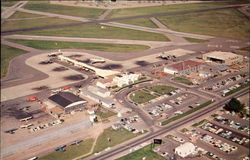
{"x": 117, "y": 19}
{"x": 172, "y": 126}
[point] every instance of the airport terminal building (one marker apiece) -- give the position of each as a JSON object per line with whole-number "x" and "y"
{"x": 226, "y": 58}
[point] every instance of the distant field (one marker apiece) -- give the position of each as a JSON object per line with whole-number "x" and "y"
{"x": 71, "y": 151}
{"x": 182, "y": 80}
{"x": 18, "y": 14}
{"x": 8, "y": 3}
{"x": 221, "y": 23}
{"x": 128, "y": 12}
{"x": 7, "y": 54}
{"x": 95, "y": 31}
{"x": 29, "y": 23}
{"x": 143, "y": 152}
{"x": 116, "y": 136}
{"x": 45, "y": 45}
{"x": 145, "y": 22}
{"x": 45, "y": 6}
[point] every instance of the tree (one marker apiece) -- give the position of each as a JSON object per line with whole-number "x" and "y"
{"x": 234, "y": 105}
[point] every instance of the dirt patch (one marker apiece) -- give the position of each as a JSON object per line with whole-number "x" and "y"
{"x": 74, "y": 77}
{"x": 60, "y": 69}
{"x": 142, "y": 63}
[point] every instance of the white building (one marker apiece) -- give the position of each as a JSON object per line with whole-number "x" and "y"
{"x": 99, "y": 91}
{"x": 185, "y": 149}
{"x": 126, "y": 79}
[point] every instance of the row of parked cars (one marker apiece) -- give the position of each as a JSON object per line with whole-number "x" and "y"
{"x": 217, "y": 143}
{"x": 225, "y": 91}
{"x": 195, "y": 133}
{"x": 178, "y": 100}
{"x": 225, "y": 133}
{"x": 47, "y": 125}
{"x": 232, "y": 124}
{"x": 225, "y": 82}
{"x": 157, "y": 110}
{"x": 124, "y": 122}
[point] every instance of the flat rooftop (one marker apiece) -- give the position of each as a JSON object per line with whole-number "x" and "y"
{"x": 184, "y": 65}
{"x": 221, "y": 55}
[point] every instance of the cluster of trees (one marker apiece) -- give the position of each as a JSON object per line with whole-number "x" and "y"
{"x": 234, "y": 105}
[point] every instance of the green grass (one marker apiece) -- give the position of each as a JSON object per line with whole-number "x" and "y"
{"x": 183, "y": 130}
{"x": 18, "y": 14}
{"x": 7, "y": 54}
{"x": 128, "y": 12}
{"x": 141, "y": 97}
{"x": 182, "y": 80}
{"x": 104, "y": 113}
{"x": 161, "y": 89}
{"x": 200, "y": 123}
{"x": 45, "y": 45}
{"x": 195, "y": 40}
{"x": 143, "y": 152}
{"x": 77, "y": 11}
{"x": 228, "y": 23}
{"x": 8, "y": 3}
{"x": 237, "y": 89}
{"x": 29, "y": 23}
{"x": 136, "y": 82}
{"x": 145, "y": 22}
{"x": 95, "y": 31}
{"x": 71, "y": 151}
{"x": 186, "y": 113}
{"x": 214, "y": 115}
{"x": 117, "y": 136}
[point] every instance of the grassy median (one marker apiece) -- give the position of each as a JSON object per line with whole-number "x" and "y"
{"x": 161, "y": 89}
{"x": 71, "y": 151}
{"x": 141, "y": 97}
{"x": 107, "y": 47}
{"x": 143, "y": 152}
{"x": 7, "y": 54}
{"x": 116, "y": 137}
{"x": 182, "y": 80}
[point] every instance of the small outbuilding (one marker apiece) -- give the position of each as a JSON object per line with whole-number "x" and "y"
{"x": 185, "y": 149}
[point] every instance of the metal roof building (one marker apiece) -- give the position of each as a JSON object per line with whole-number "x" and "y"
{"x": 185, "y": 67}
{"x": 185, "y": 149}
{"x": 226, "y": 58}
{"x": 68, "y": 101}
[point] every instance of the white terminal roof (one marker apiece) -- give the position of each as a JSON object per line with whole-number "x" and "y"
{"x": 221, "y": 55}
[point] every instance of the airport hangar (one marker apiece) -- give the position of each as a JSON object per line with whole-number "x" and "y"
{"x": 226, "y": 58}
{"x": 63, "y": 103}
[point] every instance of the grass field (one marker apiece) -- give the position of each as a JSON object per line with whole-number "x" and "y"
{"x": 161, "y": 89}
{"x": 103, "y": 113}
{"x": 238, "y": 89}
{"x": 8, "y": 3}
{"x": 7, "y": 54}
{"x": 116, "y": 136}
{"x": 95, "y": 31}
{"x": 182, "y": 80}
{"x": 44, "y": 6}
{"x": 29, "y": 23}
{"x": 143, "y": 152}
{"x": 128, "y": 12}
{"x": 195, "y": 40}
{"x": 141, "y": 97}
{"x": 44, "y": 45}
{"x": 18, "y": 14}
{"x": 221, "y": 23}
{"x": 71, "y": 151}
{"x": 145, "y": 22}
